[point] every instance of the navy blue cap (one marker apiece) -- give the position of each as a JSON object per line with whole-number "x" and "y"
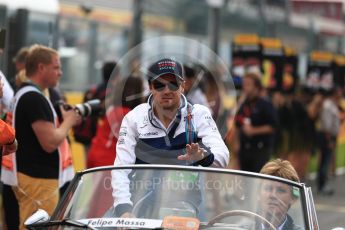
{"x": 163, "y": 67}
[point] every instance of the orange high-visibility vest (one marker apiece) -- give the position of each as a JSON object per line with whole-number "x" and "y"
{"x": 7, "y": 133}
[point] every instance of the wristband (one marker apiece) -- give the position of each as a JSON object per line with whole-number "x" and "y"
{"x": 205, "y": 162}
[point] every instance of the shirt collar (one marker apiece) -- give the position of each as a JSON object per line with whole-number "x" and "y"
{"x": 280, "y": 227}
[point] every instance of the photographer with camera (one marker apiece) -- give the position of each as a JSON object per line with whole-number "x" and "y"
{"x": 86, "y": 130}
{"x": 102, "y": 151}
{"x": 40, "y": 155}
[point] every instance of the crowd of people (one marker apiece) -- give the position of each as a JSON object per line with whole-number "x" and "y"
{"x": 292, "y": 126}
{"x": 177, "y": 119}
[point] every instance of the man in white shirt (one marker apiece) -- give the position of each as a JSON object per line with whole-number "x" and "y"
{"x": 165, "y": 130}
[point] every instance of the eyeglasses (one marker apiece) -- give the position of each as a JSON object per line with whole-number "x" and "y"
{"x": 159, "y": 86}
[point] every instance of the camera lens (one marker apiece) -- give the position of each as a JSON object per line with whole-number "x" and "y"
{"x": 88, "y": 108}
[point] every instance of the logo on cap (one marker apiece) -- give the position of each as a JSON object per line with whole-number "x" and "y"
{"x": 163, "y": 67}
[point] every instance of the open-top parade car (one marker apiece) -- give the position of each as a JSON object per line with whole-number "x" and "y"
{"x": 179, "y": 197}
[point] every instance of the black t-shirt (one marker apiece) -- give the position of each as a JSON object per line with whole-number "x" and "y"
{"x": 260, "y": 112}
{"x": 32, "y": 160}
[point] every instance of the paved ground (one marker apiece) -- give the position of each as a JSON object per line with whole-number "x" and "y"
{"x": 331, "y": 209}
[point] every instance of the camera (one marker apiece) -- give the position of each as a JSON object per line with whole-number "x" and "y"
{"x": 87, "y": 108}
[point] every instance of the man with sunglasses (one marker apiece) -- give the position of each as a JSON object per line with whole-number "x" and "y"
{"x": 165, "y": 130}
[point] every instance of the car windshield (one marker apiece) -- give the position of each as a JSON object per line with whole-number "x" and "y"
{"x": 208, "y": 199}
